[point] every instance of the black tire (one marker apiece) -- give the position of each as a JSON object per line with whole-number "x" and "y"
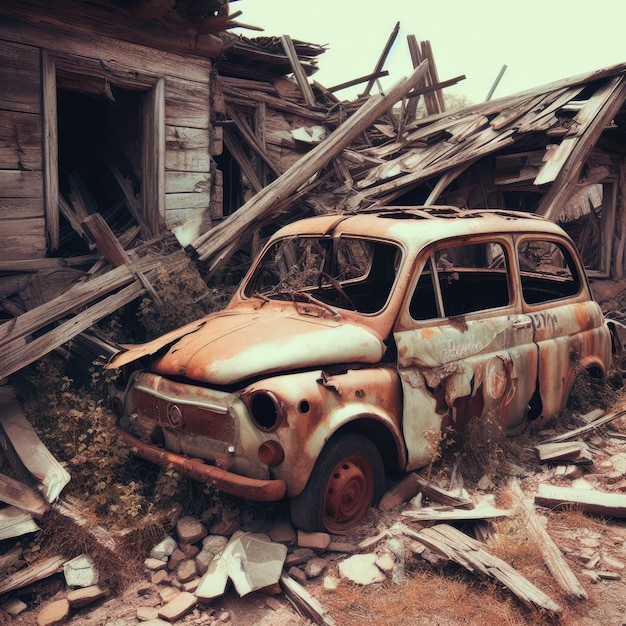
{"x": 348, "y": 478}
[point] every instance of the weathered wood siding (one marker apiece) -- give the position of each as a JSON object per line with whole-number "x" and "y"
{"x": 181, "y": 122}
{"x": 22, "y": 225}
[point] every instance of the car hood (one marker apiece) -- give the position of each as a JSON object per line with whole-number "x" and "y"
{"x": 231, "y": 346}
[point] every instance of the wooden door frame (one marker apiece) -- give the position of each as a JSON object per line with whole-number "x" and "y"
{"x": 153, "y": 141}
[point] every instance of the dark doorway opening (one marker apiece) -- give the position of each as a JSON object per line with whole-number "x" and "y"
{"x": 99, "y": 161}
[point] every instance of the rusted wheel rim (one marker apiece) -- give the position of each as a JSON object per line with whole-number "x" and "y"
{"x": 349, "y": 493}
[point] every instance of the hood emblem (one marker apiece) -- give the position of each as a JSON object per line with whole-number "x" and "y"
{"x": 174, "y": 415}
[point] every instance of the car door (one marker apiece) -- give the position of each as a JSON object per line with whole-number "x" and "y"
{"x": 568, "y": 325}
{"x": 464, "y": 349}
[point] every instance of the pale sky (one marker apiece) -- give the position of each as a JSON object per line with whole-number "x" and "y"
{"x": 539, "y": 41}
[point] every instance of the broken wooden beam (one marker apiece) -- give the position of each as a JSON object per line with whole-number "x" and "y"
{"x": 298, "y": 70}
{"x": 16, "y": 493}
{"x": 15, "y": 523}
{"x": 305, "y": 602}
{"x": 32, "y": 452}
{"x": 40, "y": 570}
{"x": 552, "y": 556}
{"x": 18, "y": 355}
{"x": 587, "y": 500}
{"x": 570, "y": 434}
{"x": 469, "y": 553}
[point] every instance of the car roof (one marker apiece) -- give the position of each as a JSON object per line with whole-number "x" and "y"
{"x": 421, "y": 225}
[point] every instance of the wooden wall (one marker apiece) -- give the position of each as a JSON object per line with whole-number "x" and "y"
{"x": 176, "y": 131}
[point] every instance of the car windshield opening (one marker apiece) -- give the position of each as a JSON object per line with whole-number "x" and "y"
{"x": 344, "y": 272}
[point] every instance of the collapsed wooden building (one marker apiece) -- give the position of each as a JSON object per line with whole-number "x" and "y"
{"x": 124, "y": 123}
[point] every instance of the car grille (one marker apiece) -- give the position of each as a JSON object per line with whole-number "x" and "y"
{"x": 190, "y": 418}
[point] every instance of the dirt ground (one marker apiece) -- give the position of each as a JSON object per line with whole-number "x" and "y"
{"x": 442, "y": 594}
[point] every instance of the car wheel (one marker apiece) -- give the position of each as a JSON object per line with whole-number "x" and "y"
{"x": 347, "y": 479}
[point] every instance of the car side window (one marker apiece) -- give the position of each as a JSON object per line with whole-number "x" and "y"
{"x": 547, "y": 271}
{"x": 470, "y": 278}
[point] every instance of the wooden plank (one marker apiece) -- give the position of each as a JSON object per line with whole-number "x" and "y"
{"x": 51, "y": 150}
{"x": 15, "y": 523}
{"x": 21, "y": 208}
{"x": 22, "y": 247}
{"x": 19, "y": 495}
{"x": 187, "y": 182}
{"x": 40, "y": 570}
{"x": 112, "y": 51}
{"x": 462, "y": 549}
{"x": 21, "y": 184}
{"x": 570, "y": 434}
{"x": 442, "y": 513}
{"x": 589, "y": 501}
{"x": 298, "y": 70}
{"x": 565, "y": 451}
{"x": 176, "y": 201}
{"x": 73, "y": 299}
{"x": 382, "y": 58}
{"x": 17, "y": 228}
{"x": 32, "y": 452}
{"x": 118, "y": 23}
{"x": 198, "y": 160}
{"x": 19, "y": 77}
{"x": 17, "y": 356}
{"x": 186, "y": 114}
{"x": 578, "y": 147}
{"x": 554, "y": 560}
{"x": 20, "y": 141}
{"x": 185, "y": 138}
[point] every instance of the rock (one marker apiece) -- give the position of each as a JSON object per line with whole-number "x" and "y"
{"x": 316, "y": 540}
{"x": 361, "y": 569}
{"x": 342, "y": 546}
{"x": 191, "y": 585}
{"x": 159, "y": 578}
{"x": 330, "y": 583}
{"x": 485, "y": 483}
{"x": 297, "y": 574}
{"x": 202, "y": 561}
{"x": 186, "y": 570}
{"x": 86, "y": 595}
{"x": 223, "y": 617}
{"x": 315, "y": 567}
{"x": 282, "y": 532}
{"x": 146, "y": 613}
{"x": 155, "y": 622}
{"x": 224, "y": 527}
{"x": 178, "y": 607}
{"x": 189, "y": 550}
{"x": 385, "y": 563}
{"x": 14, "y": 607}
{"x": 164, "y": 548}
{"x": 190, "y": 530}
{"x": 177, "y": 557}
{"x": 54, "y": 613}
{"x": 619, "y": 462}
{"x": 299, "y": 556}
{"x": 168, "y": 593}
{"x": 214, "y": 544}
{"x": 80, "y": 571}
{"x": 154, "y": 565}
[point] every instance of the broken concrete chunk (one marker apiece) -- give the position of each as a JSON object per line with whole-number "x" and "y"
{"x": 254, "y": 562}
{"x": 164, "y": 548}
{"x": 297, "y": 574}
{"x": 178, "y": 607}
{"x": 299, "y": 556}
{"x": 54, "y": 613}
{"x": 361, "y": 569}
{"x": 213, "y": 582}
{"x": 80, "y": 571}
{"x": 190, "y": 530}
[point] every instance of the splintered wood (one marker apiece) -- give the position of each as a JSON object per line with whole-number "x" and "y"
{"x": 470, "y": 554}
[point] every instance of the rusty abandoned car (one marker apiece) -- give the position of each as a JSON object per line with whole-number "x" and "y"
{"x": 354, "y": 344}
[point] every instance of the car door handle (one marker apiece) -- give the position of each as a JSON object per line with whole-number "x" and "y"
{"x": 522, "y": 324}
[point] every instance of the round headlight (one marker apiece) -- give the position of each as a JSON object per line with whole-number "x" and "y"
{"x": 271, "y": 453}
{"x": 265, "y": 410}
